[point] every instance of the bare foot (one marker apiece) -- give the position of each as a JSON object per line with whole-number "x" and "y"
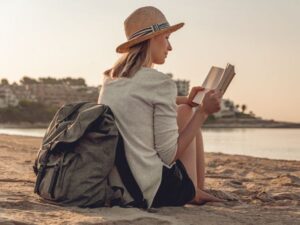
{"x": 202, "y": 197}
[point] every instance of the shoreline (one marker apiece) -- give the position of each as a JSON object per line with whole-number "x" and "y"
{"x": 259, "y": 126}
{"x": 224, "y": 122}
{"x": 24, "y": 125}
{"x": 249, "y": 123}
{"x": 210, "y": 125}
{"x": 206, "y": 152}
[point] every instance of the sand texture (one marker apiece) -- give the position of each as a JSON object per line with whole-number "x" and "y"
{"x": 259, "y": 191}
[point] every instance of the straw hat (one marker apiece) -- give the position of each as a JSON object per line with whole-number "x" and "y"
{"x": 143, "y": 24}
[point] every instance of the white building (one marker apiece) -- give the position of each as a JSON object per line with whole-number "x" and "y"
{"x": 7, "y": 97}
{"x": 227, "y": 109}
{"x": 183, "y": 87}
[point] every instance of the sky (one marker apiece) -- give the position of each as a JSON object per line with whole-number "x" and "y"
{"x": 77, "y": 38}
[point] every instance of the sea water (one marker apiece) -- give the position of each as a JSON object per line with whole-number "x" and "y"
{"x": 258, "y": 142}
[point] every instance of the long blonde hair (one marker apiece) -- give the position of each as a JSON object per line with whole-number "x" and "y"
{"x": 130, "y": 62}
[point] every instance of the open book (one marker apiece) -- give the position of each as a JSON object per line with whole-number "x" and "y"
{"x": 218, "y": 79}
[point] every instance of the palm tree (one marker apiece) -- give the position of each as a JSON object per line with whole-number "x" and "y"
{"x": 244, "y": 107}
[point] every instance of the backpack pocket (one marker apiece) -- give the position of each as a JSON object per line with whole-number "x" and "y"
{"x": 53, "y": 184}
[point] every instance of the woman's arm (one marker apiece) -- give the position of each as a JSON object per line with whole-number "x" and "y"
{"x": 211, "y": 104}
{"x": 168, "y": 143}
{"x": 181, "y": 100}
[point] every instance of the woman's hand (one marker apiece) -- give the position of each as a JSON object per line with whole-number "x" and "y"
{"x": 211, "y": 102}
{"x": 192, "y": 95}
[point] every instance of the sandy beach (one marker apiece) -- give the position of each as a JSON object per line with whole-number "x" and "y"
{"x": 259, "y": 191}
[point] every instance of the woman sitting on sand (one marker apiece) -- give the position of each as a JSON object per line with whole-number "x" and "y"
{"x": 163, "y": 142}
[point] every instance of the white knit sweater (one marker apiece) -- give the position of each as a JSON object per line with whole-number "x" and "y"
{"x": 145, "y": 110}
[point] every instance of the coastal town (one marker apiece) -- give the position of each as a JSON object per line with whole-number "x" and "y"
{"x": 43, "y": 96}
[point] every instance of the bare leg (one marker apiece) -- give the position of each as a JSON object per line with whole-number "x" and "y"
{"x": 193, "y": 157}
{"x": 200, "y": 160}
{"x": 184, "y": 114}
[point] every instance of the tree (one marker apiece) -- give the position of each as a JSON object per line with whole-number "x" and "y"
{"x": 48, "y": 80}
{"x": 27, "y": 80}
{"x": 4, "y": 81}
{"x": 237, "y": 106}
{"x": 27, "y": 111}
{"x": 244, "y": 107}
{"x": 74, "y": 81}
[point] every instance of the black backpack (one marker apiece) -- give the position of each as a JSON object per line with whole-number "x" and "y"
{"x": 81, "y": 146}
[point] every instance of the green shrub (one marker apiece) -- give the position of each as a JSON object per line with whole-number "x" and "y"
{"x": 27, "y": 111}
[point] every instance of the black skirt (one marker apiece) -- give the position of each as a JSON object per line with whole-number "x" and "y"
{"x": 176, "y": 188}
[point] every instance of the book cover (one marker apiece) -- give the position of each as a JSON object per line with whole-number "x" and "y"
{"x": 218, "y": 79}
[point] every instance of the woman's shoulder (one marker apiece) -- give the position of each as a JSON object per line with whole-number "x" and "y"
{"x": 148, "y": 70}
{"x": 152, "y": 75}
{"x": 145, "y": 78}
{"x": 154, "y": 81}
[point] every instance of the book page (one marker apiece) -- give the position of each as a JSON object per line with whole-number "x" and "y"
{"x": 226, "y": 79}
{"x": 211, "y": 82}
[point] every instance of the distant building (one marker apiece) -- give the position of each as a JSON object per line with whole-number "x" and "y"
{"x": 227, "y": 109}
{"x": 183, "y": 86}
{"x": 60, "y": 94}
{"x": 22, "y": 92}
{"x": 7, "y": 97}
{"x": 48, "y": 94}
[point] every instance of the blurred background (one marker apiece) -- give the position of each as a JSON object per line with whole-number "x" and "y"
{"x": 78, "y": 38}
{"x": 70, "y": 43}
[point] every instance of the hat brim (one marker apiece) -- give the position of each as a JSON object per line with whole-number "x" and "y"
{"x": 125, "y": 46}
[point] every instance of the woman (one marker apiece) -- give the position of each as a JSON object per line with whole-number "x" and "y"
{"x": 162, "y": 141}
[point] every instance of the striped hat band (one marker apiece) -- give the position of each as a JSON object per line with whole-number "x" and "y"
{"x": 149, "y": 30}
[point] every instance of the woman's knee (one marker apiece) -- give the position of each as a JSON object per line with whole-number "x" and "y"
{"x": 184, "y": 114}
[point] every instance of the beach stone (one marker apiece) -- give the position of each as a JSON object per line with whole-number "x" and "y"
{"x": 253, "y": 175}
{"x": 287, "y": 195}
{"x": 222, "y": 195}
{"x": 286, "y": 180}
{"x": 264, "y": 197}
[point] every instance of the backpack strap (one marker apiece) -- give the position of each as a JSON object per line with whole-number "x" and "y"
{"x": 74, "y": 109}
{"x": 40, "y": 172}
{"x": 128, "y": 178}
